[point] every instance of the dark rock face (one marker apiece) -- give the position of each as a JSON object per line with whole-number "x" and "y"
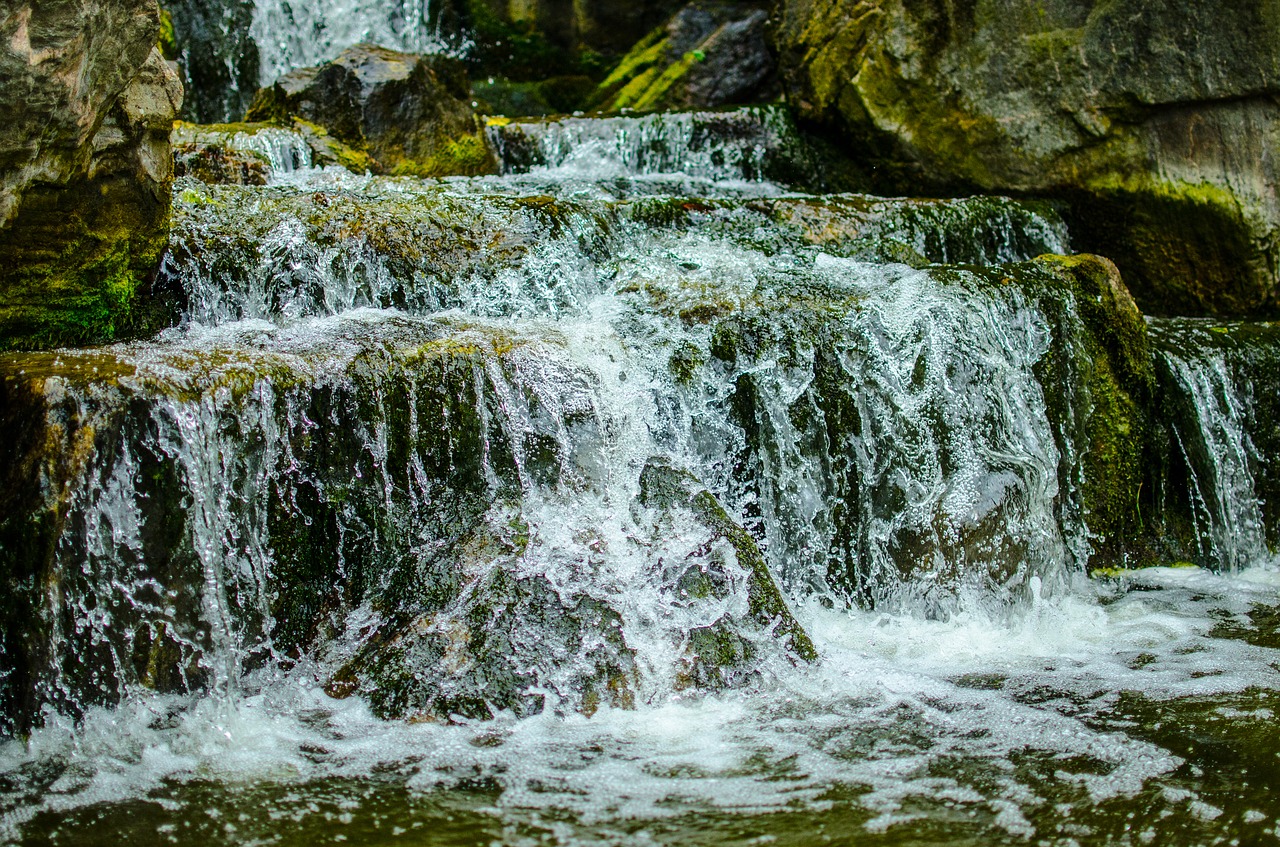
{"x": 534, "y": 40}
{"x": 1157, "y": 121}
{"x": 410, "y": 113}
{"x": 709, "y": 54}
{"x": 85, "y": 170}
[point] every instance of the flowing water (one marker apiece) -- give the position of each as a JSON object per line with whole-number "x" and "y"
{"x": 628, "y": 497}
{"x": 291, "y": 34}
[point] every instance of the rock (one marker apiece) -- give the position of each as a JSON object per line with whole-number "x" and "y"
{"x": 665, "y": 487}
{"x": 399, "y": 499}
{"x": 530, "y": 41}
{"x": 214, "y": 155}
{"x": 1218, "y": 408}
{"x": 85, "y": 171}
{"x": 253, "y": 153}
{"x": 411, "y": 113}
{"x": 1156, "y": 122}
{"x": 711, "y": 53}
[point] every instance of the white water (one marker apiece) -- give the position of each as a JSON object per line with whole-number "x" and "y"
{"x": 884, "y": 710}
{"x": 1221, "y": 454}
{"x": 293, "y": 34}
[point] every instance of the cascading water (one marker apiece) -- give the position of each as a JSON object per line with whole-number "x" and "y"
{"x": 290, "y": 34}
{"x": 644, "y": 501}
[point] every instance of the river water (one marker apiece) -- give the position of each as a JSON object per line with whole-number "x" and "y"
{"x": 367, "y": 550}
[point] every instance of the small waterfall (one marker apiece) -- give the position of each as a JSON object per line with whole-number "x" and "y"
{"x": 635, "y": 491}
{"x": 742, "y": 144}
{"x": 1220, "y": 385}
{"x": 292, "y": 34}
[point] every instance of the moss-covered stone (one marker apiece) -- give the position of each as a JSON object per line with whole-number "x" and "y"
{"x": 393, "y": 112}
{"x": 1157, "y": 138}
{"x": 709, "y": 54}
{"x": 665, "y": 487}
{"x": 1099, "y": 389}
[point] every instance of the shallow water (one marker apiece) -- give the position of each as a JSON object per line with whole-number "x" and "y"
{"x": 1134, "y": 711}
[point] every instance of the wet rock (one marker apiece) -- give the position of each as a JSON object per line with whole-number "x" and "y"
{"x": 394, "y": 498}
{"x": 664, "y": 487}
{"x": 877, "y": 411}
{"x": 216, "y": 158}
{"x": 85, "y": 169}
{"x": 1154, "y": 122}
{"x": 410, "y": 113}
{"x": 709, "y": 54}
{"x": 1218, "y": 415}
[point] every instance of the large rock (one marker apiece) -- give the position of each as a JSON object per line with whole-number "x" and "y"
{"x": 1157, "y": 121}
{"x": 85, "y": 170}
{"x": 711, "y": 53}
{"x": 411, "y": 113}
{"x": 412, "y": 502}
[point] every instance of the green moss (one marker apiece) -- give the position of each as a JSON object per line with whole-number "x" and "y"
{"x": 97, "y": 303}
{"x": 1099, "y": 388}
{"x": 168, "y": 39}
{"x": 465, "y": 156}
{"x": 330, "y": 150}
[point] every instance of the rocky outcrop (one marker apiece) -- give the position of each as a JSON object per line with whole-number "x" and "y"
{"x": 710, "y": 54}
{"x": 410, "y": 113}
{"x": 1158, "y": 122}
{"x": 85, "y": 170}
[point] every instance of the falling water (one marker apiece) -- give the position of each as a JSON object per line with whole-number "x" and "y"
{"x": 291, "y": 34}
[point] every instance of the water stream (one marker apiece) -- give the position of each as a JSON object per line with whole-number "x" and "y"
{"x": 628, "y": 497}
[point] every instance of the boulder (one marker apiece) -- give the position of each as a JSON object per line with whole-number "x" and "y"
{"x": 411, "y": 113}
{"x": 711, "y": 53}
{"x": 1157, "y": 122}
{"x": 85, "y": 170}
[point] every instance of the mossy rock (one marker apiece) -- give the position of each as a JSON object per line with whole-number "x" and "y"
{"x": 709, "y": 54}
{"x": 396, "y": 112}
{"x": 80, "y": 246}
{"x": 665, "y": 487}
{"x": 1153, "y": 123}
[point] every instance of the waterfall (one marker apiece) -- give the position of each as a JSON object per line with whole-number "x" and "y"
{"x": 292, "y": 35}
{"x": 630, "y": 491}
{"x": 1221, "y": 395}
